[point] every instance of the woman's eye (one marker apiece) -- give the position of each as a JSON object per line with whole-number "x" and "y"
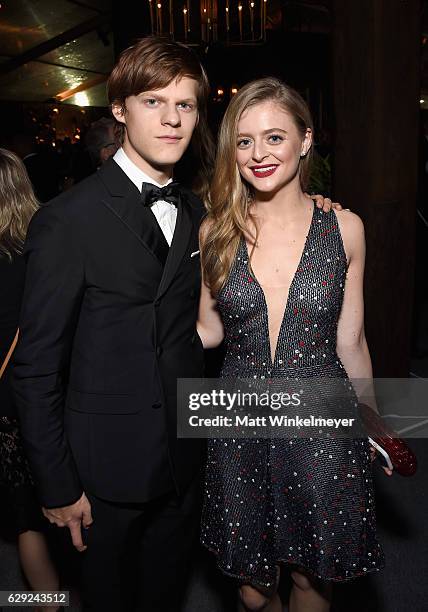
{"x": 275, "y": 138}
{"x": 244, "y": 142}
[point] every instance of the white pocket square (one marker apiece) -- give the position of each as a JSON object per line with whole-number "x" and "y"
{"x": 194, "y": 253}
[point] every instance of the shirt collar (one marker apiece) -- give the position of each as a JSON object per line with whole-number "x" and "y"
{"x": 133, "y": 172}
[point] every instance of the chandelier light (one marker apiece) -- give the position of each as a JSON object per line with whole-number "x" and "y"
{"x": 208, "y": 22}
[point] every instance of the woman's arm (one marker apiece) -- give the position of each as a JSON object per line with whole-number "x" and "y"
{"x": 209, "y": 325}
{"x": 351, "y": 340}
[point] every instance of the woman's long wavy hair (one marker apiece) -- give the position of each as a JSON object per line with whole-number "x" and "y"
{"x": 230, "y": 196}
{"x": 17, "y": 204}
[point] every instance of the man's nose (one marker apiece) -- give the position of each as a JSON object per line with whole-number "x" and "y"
{"x": 171, "y": 116}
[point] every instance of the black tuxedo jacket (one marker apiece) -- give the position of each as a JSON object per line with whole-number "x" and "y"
{"x": 106, "y": 330}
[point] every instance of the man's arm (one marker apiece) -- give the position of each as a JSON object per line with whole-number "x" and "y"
{"x": 53, "y": 290}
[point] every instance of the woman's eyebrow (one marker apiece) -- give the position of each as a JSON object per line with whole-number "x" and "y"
{"x": 267, "y": 131}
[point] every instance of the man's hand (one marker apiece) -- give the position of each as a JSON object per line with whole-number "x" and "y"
{"x": 325, "y": 203}
{"x": 73, "y": 517}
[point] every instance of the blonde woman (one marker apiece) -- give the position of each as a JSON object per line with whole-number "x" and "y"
{"x": 283, "y": 285}
{"x": 17, "y": 206}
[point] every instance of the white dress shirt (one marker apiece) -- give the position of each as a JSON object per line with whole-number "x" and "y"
{"x": 165, "y": 212}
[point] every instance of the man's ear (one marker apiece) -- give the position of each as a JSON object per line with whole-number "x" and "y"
{"x": 118, "y": 112}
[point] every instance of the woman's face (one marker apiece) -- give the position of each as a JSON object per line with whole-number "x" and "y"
{"x": 269, "y": 147}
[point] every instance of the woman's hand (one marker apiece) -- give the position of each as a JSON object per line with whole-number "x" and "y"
{"x": 209, "y": 324}
{"x": 373, "y": 455}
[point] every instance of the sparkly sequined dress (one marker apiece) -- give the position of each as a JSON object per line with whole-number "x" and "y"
{"x": 307, "y": 502}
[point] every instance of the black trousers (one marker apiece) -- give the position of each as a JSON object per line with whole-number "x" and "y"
{"x": 139, "y": 555}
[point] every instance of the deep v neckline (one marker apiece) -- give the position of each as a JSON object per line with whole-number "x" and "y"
{"x": 289, "y": 293}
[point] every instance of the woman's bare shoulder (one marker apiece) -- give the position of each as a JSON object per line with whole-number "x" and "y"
{"x": 350, "y": 222}
{"x": 352, "y": 230}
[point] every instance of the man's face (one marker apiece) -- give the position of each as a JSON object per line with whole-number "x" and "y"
{"x": 159, "y": 125}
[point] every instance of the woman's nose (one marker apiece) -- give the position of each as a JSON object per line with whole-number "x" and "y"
{"x": 259, "y": 151}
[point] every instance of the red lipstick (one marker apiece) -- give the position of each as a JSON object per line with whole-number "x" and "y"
{"x": 262, "y": 171}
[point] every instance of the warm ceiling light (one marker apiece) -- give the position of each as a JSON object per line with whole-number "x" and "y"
{"x": 81, "y": 99}
{"x": 220, "y": 92}
{"x": 82, "y": 87}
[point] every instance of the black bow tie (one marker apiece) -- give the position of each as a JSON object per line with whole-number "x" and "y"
{"x": 151, "y": 194}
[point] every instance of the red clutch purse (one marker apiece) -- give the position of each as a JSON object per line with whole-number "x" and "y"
{"x": 387, "y": 443}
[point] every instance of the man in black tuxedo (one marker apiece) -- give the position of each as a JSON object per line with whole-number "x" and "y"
{"x": 107, "y": 327}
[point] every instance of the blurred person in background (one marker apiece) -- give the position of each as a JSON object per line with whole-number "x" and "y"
{"x": 101, "y": 141}
{"x": 17, "y": 205}
{"x": 41, "y": 164}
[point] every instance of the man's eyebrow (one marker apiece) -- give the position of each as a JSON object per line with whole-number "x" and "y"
{"x": 163, "y": 99}
{"x": 268, "y": 131}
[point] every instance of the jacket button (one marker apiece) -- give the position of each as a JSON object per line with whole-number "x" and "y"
{"x": 157, "y": 303}
{"x": 159, "y": 351}
{"x": 156, "y": 405}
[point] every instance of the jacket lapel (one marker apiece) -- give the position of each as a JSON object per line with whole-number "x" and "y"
{"x": 180, "y": 242}
{"x": 123, "y": 199}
